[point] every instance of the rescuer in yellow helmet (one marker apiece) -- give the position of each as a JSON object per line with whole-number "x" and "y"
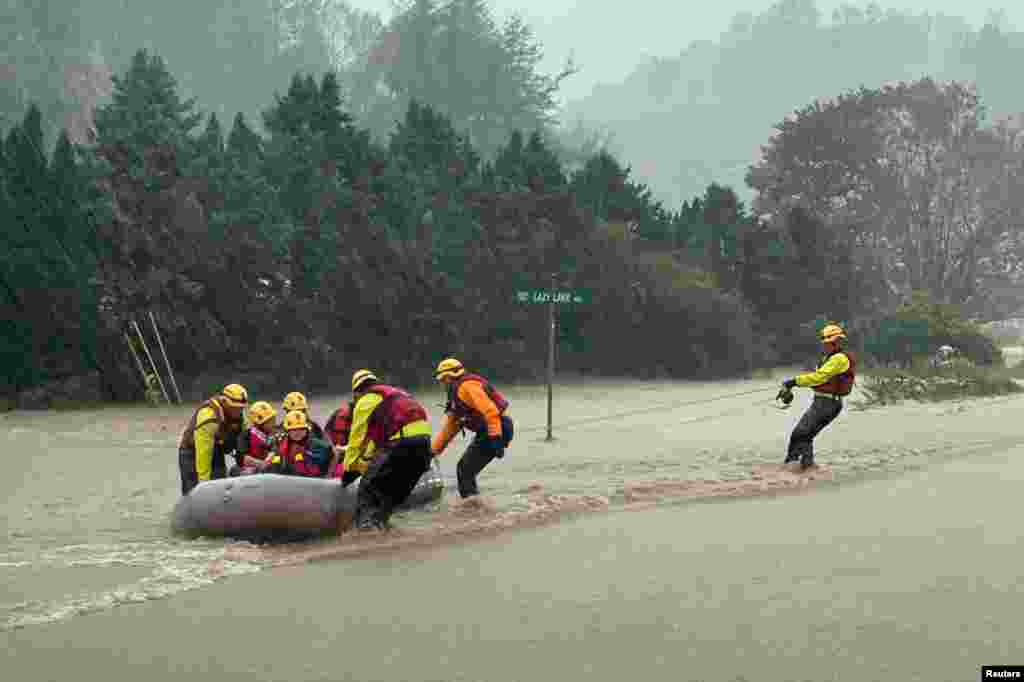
{"x": 831, "y": 382}
{"x": 389, "y": 446}
{"x": 297, "y": 401}
{"x": 300, "y": 452}
{"x": 211, "y": 434}
{"x": 256, "y": 441}
{"x": 476, "y": 405}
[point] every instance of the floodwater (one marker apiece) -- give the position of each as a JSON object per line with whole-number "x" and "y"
{"x": 588, "y": 557}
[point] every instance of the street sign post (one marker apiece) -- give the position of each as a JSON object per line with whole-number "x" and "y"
{"x": 576, "y": 296}
{"x": 553, "y": 297}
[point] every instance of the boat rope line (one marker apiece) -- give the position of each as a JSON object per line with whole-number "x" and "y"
{"x": 659, "y": 408}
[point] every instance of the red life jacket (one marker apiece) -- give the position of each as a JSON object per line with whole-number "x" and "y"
{"x": 467, "y": 416}
{"x": 257, "y": 444}
{"x": 339, "y": 425}
{"x": 840, "y": 384}
{"x": 295, "y": 458}
{"x": 397, "y": 410}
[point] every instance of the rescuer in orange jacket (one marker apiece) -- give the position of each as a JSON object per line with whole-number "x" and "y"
{"x": 832, "y": 381}
{"x": 473, "y": 404}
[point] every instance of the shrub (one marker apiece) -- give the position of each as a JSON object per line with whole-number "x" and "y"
{"x": 1004, "y": 334}
{"x": 919, "y": 328}
{"x": 887, "y": 387}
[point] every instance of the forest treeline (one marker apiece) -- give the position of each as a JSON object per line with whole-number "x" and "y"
{"x": 302, "y": 244}
{"x": 311, "y": 249}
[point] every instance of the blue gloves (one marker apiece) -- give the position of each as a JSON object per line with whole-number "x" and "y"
{"x": 786, "y": 392}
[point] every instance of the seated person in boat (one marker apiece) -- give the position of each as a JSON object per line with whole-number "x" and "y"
{"x": 299, "y": 453}
{"x": 297, "y": 401}
{"x": 256, "y": 441}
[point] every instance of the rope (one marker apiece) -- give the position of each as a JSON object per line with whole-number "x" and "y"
{"x": 656, "y": 408}
{"x": 727, "y": 413}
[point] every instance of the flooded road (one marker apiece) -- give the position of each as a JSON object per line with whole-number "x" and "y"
{"x": 621, "y": 572}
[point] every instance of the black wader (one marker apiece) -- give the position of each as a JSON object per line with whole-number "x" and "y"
{"x": 187, "y": 466}
{"x": 477, "y": 456}
{"x": 820, "y": 414}
{"x": 389, "y": 480}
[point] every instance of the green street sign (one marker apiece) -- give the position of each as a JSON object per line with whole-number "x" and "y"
{"x": 547, "y": 296}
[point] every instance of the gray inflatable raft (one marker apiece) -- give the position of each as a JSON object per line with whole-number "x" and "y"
{"x": 271, "y": 506}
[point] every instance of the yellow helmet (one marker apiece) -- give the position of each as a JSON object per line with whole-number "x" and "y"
{"x": 361, "y": 377}
{"x": 832, "y": 332}
{"x": 296, "y": 419}
{"x": 294, "y": 401}
{"x": 449, "y": 367}
{"x": 261, "y": 412}
{"x": 235, "y": 395}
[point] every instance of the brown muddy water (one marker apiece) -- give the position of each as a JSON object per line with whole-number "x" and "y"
{"x": 588, "y": 557}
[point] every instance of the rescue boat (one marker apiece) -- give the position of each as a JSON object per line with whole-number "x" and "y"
{"x": 272, "y": 506}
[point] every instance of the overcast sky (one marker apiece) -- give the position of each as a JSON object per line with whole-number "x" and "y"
{"x": 610, "y": 38}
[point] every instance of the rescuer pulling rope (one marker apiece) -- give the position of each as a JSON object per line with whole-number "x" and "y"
{"x": 832, "y": 381}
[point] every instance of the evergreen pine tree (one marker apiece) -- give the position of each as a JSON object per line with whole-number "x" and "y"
{"x": 146, "y": 111}
{"x": 543, "y": 167}
{"x": 509, "y": 168}
{"x": 298, "y": 111}
{"x": 27, "y": 172}
{"x": 15, "y": 321}
{"x": 426, "y": 143}
{"x": 212, "y": 140}
{"x": 722, "y": 214}
{"x": 71, "y": 222}
{"x": 603, "y": 185}
{"x": 243, "y": 143}
{"x": 44, "y": 267}
{"x": 208, "y": 156}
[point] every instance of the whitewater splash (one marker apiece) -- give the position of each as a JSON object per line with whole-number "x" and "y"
{"x": 173, "y": 568}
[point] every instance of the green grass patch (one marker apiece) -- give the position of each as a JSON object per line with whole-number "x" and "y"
{"x": 888, "y": 387}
